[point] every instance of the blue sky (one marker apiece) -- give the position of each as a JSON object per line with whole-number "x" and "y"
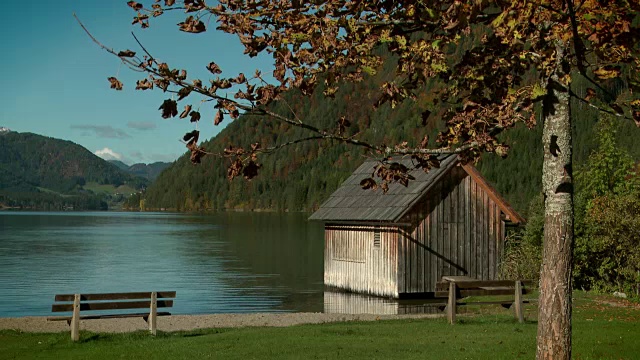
{"x": 54, "y": 78}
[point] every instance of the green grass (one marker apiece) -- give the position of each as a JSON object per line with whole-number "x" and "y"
{"x": 601, "y": 331}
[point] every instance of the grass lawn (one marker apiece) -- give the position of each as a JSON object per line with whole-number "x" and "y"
{"x": 601, "y": 330}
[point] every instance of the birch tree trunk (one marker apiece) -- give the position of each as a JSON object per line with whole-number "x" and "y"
{"x": 554, "y": 312}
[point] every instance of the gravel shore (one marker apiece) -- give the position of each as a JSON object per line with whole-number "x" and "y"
{"x": 191, "y": 322}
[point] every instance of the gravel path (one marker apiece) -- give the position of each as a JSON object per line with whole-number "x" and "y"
{"x": 191, "y": 322}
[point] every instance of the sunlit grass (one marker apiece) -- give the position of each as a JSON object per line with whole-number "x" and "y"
{"x": 602, "y": 330}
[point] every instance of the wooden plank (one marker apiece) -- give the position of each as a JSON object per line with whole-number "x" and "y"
{"x": 451, "y": 304}
{"x": 428, "y": 279}
{"x": 446, "y": 222}
{"x": 495, "y": 196}
{"x": 472, "y": 231}
{"x": 75, "y": 319}
{"x": 144, "y": 315}
{"x": 518, "y": 302}
{"x": 479, "y": 292}
{"x": 492, "y": 241}
{"x": 438, "y": 230}
{"x": 499, "y": 240}
{"x": 453, "y": 222}
{"x": 485, "y": 236}
{"x": 470, "y": 284}
{"x": 119, "y": 305}
{"x": 153, "y": 310}
{"x": 116, "y": 296}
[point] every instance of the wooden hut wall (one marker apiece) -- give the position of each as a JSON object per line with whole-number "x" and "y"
{"x": 460, "y": 232}
{"x": 353, "y": 262}
{"x": 352, "y": 303}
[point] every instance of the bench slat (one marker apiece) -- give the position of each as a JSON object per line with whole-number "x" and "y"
{"x": 93, "y": 317}
{"x": 116, "y": 305}
{"x": 116, "y": 296}
{"x": 480, "y": 292}
{"x": 482, "y": 283}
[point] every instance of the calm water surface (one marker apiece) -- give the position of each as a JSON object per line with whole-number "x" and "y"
{"x": 223, "y": 263}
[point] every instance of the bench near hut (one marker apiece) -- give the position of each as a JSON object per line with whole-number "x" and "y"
{"x": 448, "y": 221}
{"x": 75, "y": 303}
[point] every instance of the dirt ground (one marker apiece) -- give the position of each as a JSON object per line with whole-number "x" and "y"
{"x": 191, "y": 322}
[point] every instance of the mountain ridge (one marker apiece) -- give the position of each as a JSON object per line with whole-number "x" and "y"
{"x": 41, "y": 172}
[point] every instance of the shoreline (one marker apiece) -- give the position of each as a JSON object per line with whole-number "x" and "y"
{"x": 39, "y": 324}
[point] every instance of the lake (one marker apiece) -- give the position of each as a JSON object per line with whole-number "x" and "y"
{"x": 219, "y": 263}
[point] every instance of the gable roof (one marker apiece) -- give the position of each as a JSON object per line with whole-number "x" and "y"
{"x": 351, "y": 203}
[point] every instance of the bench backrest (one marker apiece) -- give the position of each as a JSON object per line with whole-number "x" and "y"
{"x": 113, "y": 301}
{"x": 482, "y": 288}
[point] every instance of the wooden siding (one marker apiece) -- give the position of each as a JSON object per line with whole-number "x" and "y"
{"x": 350, "y": 303}
{"x": 352, "y": 262}
{"x": 459, "y": 231}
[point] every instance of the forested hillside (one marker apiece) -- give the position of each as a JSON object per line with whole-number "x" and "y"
{"x": 301, "y": 176}
{"x": 147, "y": 171}
{"x": 39, "y": 172}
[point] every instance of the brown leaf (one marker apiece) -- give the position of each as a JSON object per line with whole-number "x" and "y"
{"x": 250, "y": 170}
{"x": 185, "y": 112}
{"x": 144, "y": 84}
{"x": 368, "y": 183}
{"x": 162, "y": 84}
{"x": 134, "y": 5}
{"x": 214, "y": 68}
{"x": 218, "y": 118}
{"x": 196, "y": 153}
{"x": 591, "y": 93}
{"x": 425, "y": 142}
{"x": 169, "y": 2}
{"x": 343, "y": 124}
{"x": 234, "y": 169}
{"x": 183, "y": 93}
{"x": 195, "y": 116}
{"x": 192, "y": 25}
{"x": 240, "y": 79}
{"x": 191, "y": 137}
{"x": 234, "y": 114}
{"x": 169, "y": 108}
{"x": 127, "y": 53}
{"x": 115, "y": 83}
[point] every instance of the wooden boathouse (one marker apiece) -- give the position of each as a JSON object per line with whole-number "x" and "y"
{"x": 448, "y": 221}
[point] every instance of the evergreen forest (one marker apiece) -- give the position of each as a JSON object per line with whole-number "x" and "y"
{"x": 44, "y": 173}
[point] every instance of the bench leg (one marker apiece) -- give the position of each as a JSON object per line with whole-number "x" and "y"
{"x": 518, "y": 302}
{"x": 451, "y": 304}
{"x": 75, "y": 319}
{"x": 153, "y": 313}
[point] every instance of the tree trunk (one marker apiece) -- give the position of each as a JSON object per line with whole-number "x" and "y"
{"x": 554, "y": 308}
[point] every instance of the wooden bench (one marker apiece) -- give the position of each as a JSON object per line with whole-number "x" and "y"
{"x": 457, "y": 287}
{"x": 111, "y": 301}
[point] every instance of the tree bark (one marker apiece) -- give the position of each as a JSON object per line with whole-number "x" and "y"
{"x": 554, "y": 307}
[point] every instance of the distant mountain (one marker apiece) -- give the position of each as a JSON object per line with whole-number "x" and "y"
{"x": 39, "y": 172}
{"x": 119, "y": 164}
{"x": 147, "y": 171}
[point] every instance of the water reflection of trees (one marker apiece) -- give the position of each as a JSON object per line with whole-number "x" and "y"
{"x": 262, "y": 254}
